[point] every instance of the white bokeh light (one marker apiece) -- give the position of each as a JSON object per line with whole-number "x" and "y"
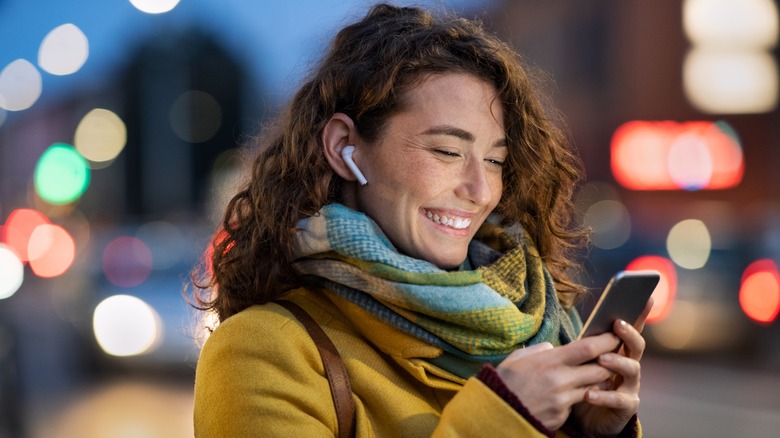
{"x": 100, "y": 136}
{"x": 126, "y": 326}
{"x": 11, "y": 272}
{"x": 731, "y": 23}
{"x": 20, "y": 85}
{"x": 689, "y": 244}
{"x": 64, "y": 50}
{"x": 154, "y": 6}
{"x": 731, "y": 81}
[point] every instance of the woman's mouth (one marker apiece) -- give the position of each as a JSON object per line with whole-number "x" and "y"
{"x": 451, "y": 221}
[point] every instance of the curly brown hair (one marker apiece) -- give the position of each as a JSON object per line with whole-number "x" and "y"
{"x": 369, "y": 67}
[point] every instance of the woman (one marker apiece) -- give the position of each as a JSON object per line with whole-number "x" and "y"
{"x": 415, "y": 200}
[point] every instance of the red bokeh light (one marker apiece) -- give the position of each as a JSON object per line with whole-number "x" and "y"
{"x": 759, "y": 293}
{"x": 51, "y": 250}
{"x": 665, "y": 292}
{"x": 668, "y": 155}
{"x": 19, "y": 227}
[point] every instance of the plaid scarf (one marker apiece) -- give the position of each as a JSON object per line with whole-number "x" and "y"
{"x": 479, "y": 315}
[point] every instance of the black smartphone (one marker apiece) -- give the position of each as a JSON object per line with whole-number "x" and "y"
{"x": 624, "y": 298}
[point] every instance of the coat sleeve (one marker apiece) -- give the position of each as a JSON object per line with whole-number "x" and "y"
{"x": 476, "y": 411}
{"x": 247, "y": 383}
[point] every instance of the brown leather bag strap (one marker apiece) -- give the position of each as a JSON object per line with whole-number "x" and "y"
{"x": 335, "y": 371}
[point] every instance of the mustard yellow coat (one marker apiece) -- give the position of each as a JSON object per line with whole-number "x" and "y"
{"x": 259, "y": 374}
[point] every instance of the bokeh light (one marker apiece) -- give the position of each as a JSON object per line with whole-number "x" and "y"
{"x": 154, "y": 6}
{"x": 759, "y": 293}
{"x": 731, "y": 82}
{"x": 725, "y": 147}
{"x": 61, "y": 175}
{"x": 127, "y": 261}
{"x": 638, "y": 155}
{"x": 125, "y": 325}
{"x": 666, "y": 290}
{"x": 730, "y": 68}
{"x": 690, "y": 163}
{"x": 610, "y": 222}
{"x": 20, "y": 85}
{"x": 195, "y": 116}
{"x": 19, "y": 227}
{"x": 689, "y": 244}
{"x": 730, "y": 23}
{"x": 51, "y": 250}
{"x": 667, "y": 155}
{"x": 64, "y": 50}
{"x": 100, "y": 136}
{"x": 11, "y": 272}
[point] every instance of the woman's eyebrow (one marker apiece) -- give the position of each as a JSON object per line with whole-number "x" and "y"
{"x": 457, "y": 132}
{"x": 450, "y": 130}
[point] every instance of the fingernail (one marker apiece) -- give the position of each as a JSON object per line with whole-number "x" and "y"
{"x": 592, "y": 395}
{"x": 606, "y": 357}
{"x": 622, "y": 324}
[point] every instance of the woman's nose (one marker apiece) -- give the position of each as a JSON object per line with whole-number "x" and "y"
{"x": 475, "y": 183}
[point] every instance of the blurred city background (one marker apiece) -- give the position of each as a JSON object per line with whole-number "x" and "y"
{"x": 121, "y": 126}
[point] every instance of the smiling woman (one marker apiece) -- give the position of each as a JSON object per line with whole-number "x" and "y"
{"x": 436, "y": 173}
{"x": 415, "y": 200}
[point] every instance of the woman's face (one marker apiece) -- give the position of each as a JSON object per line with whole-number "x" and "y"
{"x": 434, "y": 175}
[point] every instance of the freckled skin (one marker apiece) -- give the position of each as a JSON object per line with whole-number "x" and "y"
{"x": 443, "y": 154}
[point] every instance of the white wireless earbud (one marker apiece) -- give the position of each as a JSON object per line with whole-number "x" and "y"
{"x": 346, "y": 153}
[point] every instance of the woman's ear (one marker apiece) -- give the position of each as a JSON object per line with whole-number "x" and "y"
{"x": 338, "y": 133}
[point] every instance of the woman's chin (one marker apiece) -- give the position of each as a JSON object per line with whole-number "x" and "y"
{"x": 448, "y": 262}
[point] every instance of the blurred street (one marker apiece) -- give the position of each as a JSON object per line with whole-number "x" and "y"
{"x": 700, "y": 400}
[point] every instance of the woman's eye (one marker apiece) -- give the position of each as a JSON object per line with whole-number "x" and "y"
{"x": 446, "y": 153}
{"x": 497, "y": 163}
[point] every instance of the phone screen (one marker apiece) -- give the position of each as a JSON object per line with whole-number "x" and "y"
{"x": 624, "y": 298}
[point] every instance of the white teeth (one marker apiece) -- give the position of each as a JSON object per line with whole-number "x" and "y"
{"x": 454, "y": 222}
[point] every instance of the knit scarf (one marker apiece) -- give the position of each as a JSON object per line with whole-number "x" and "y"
{"x": 477, "y": 315}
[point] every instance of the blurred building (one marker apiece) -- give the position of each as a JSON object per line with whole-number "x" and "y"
{"x": 615, "y": 62}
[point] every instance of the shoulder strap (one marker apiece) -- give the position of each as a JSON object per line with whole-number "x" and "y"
{"x": 335, "y": 371}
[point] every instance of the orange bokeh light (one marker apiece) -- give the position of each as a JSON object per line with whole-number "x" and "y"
{"x": 665, "y": 292}
{"x": 51, "y": 250}
{"x": 19, "y": 227}
{"x": 667, "y": 155}
{"x": 759, "y": 294}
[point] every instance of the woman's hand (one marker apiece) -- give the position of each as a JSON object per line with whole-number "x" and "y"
{"x": 610, "y": 405}
{"x": 549, "y": 381}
